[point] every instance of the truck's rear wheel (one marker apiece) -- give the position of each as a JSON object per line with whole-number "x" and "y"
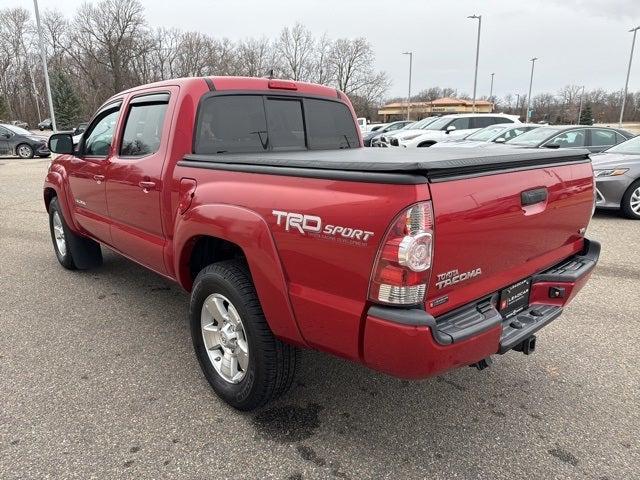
{"x": 72, "y": 251}
{"x": 241, "y": 359}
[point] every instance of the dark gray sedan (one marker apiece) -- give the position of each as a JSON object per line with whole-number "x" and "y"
{"x": 22, "y": 143}
{"x": 617, "y": 172}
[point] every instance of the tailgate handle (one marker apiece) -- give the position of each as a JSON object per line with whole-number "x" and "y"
{"x": 531, "y": 197}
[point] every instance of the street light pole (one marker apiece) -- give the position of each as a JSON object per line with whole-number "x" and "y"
{"x": 409, "y": 96}
{"x": 626, "y": 84}
{"x": 491, "y": 89}
{"x": 518, "y": 104}
{"x": 475, "y": 76}
{"x": 533, "y": 64}
{"x": 580, "y": 109}
{"x": 43, "y": 53}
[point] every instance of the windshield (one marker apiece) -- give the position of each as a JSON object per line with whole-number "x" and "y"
{"x": 487, "y": 133}
{"x": 534, "y": 137}
{"x": 631, "y": 146}
{"x": 18, "y": 130}
{"x": 420, "y": 124}
{"x": 439, "y": 124}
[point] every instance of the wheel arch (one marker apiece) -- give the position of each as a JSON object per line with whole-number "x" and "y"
{"x": 210, "y": 233}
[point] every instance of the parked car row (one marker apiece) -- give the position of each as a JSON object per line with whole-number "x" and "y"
{"x": 448, "y": 130}
{"x": 432, "y": 130}
{"x": 616, "y": 152}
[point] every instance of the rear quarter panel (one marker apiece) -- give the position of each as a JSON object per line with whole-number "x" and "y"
{"x": 326, "y": 276}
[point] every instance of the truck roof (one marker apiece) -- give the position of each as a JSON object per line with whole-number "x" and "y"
{"x": 245, "y": 83}
{"x": 433, "y": 163}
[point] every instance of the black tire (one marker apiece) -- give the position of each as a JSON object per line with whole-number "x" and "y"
{"x": 24, "y": 150}
{"x": 79, "y": 252}
{"x": 272, "y": 363}
{"x": 625, "y": 204}
{"x": 426, "y": 144}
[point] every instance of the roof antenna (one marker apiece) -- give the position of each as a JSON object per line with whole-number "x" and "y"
{"x": 271, "y": 74}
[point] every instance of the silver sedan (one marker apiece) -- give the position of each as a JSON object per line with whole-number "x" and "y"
{"x": 617, "y": 172}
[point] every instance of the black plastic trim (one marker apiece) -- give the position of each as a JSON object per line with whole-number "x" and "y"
{"x": 470, "y": 320}
{"x": 574, "y": 267}
{"x": 414, "y": 317}
{"x": 145, "y": 98}
{"x": 530, "y": 323}
{"x": 484, "y": 170}
{"x": 531, "y": 197}
{"x": 343, "y": 175}
{"x": 209, "y": 82}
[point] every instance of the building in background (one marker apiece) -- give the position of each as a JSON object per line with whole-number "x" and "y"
{"x": 442, "y": 106}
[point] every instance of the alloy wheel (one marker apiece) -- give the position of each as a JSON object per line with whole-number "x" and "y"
{"x": 224, "y": 338}
{"x": 24, "y": 151}
{"x": 634, "y": 201}
{"x": 58, "y": 234}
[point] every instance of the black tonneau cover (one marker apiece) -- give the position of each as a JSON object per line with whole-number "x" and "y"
{"x": 437, "y": 163}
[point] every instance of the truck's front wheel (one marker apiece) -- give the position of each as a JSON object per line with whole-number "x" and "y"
{"x": 239, "y": 355}
{"x": 72, "y": 251}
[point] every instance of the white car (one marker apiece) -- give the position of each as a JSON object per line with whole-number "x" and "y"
{"x": 407, "y": 133}
{"x": 487, "y": 136}
{"x": 451, "y": 127}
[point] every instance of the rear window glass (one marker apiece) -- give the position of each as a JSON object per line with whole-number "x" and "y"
{"x": 286, "y": 127}
{"x": 232, "y": 124}
{"x": 257, "y": 123}
{"x": 330, "y": 125}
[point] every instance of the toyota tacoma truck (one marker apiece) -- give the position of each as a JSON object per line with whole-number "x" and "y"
{"x": 256, "y": 196}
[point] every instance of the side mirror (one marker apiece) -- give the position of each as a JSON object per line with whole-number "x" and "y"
{"x": 61, "y": 143}
{"x": 500, "y": 140}
{"x": 450, "y": 128}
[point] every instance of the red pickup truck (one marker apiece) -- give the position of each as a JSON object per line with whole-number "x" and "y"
{"x": 256, "y": 196}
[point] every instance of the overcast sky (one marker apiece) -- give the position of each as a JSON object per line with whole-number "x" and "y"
{"x": 578, "y": 41}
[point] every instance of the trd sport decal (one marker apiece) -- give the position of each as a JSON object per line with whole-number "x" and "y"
{"x": 314, "y": 226}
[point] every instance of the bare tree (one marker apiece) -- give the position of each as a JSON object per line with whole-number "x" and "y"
{"x": 295, "y": 47}
{"x": 108, "y": 34}
{"x": 352, "y": 63}
{"x": 255, "y": 57}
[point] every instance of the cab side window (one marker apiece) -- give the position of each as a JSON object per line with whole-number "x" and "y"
{"x": 481, "y": 122}
{"x": 570, "y": 139}
{"x": 143, "y": 128}
{"x": 100, "y": 135}
{"x": 460, "y": 123}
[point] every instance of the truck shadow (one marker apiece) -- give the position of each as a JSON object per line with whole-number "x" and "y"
{"x": 359, "y": 409}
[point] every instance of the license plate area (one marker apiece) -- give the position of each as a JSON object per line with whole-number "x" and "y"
{"x": 515, "y": 298}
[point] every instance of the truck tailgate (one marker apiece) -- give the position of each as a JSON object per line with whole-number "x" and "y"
{"x": 493, "y": 230}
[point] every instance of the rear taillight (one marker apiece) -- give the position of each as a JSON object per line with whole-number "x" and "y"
{"x": 403, "y": 265}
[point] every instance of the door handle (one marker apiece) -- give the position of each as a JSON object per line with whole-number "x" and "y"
{"x": 146, "y": 186}
{"x": 531, "y": 197}
{"x": 98, "y": 178}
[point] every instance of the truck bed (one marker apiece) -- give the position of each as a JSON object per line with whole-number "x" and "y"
{"x": 433, "y": 164}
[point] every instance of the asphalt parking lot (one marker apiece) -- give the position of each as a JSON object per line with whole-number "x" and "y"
{"x": 98, "y": 380}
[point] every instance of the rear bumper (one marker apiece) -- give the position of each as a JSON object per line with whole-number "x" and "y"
{"x": 410, "y": 343}
{"x": 42, "y": 150}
